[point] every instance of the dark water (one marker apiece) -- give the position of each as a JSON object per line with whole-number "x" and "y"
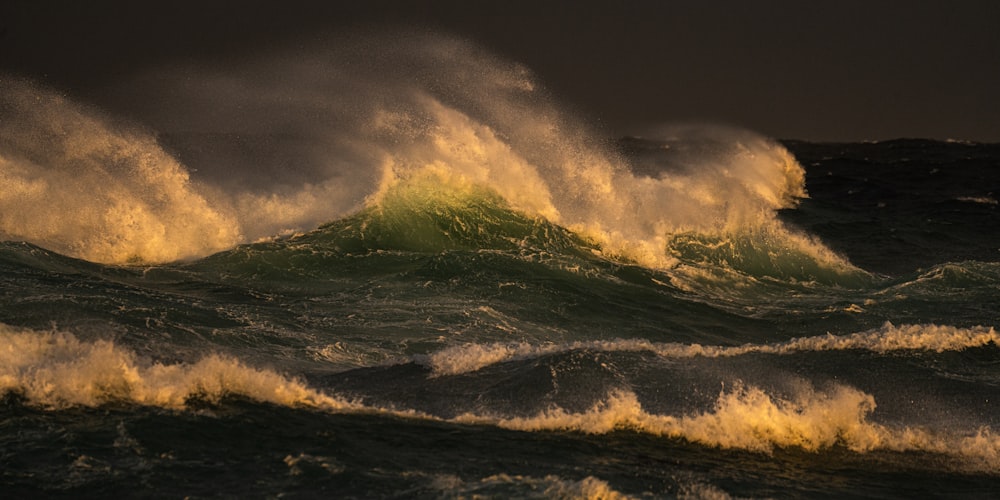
{"x": 491, "y": 313}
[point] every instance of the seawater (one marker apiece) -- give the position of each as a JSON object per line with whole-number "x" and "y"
{"x": 435, "y": 282}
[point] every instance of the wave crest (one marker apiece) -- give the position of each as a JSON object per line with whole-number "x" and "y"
{"x": 56, "y": 370}
{"x": 748, "y": 418}
{"x": 467, "y": 358}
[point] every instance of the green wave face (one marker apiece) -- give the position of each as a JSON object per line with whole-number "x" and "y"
{"x": 764, "y": 253}
{"x": 424, "y": 217}
{"x": 411, "y": 221}
{"x": 421, "y": 217}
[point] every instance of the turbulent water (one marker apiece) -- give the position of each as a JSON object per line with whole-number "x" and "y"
{"x": 419, "y": 277}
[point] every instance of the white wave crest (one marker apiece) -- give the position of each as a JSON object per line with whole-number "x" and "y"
{"x": 748, "y": 418}
{"x": 470, "y": 357}
{"x": 56, "y": 370}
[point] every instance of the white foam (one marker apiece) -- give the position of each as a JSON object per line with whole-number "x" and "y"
{"x": 470, "y": 357}
{"x": 985, "y": 200}
{"x": 55, "y": 369}
{"x": 748, "y": 418}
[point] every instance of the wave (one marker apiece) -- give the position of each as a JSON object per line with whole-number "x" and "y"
{"x": 505, "y": 485}
{"x": 748, "y": 418}
{"x": 431, "y": 212}
{"x": 472, "y": 357}
{"x": 422, "y": 110}
{"x": 949, "y": 278}
{"x": 422, "y": 216}
{"x": 763, "y": 252}
{"x": 55, "y": 370}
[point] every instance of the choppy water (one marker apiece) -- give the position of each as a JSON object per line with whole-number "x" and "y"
{"x": 457, "y": 290}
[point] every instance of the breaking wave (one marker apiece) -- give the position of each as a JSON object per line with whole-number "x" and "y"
{"x": 748, "y": 418}
{"x": 354, "y": 136}
{"x": 56, "y": 370}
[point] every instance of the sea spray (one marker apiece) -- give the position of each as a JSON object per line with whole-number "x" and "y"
{"x": 351, "y": 132}
{"x": 355, "y": 121}
{"x": 79, "y": 184}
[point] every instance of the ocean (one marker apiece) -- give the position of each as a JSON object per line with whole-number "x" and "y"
{"x": 443, "y": 284}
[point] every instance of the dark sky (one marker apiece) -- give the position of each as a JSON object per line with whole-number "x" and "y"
{"x": 840, "y": 70}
